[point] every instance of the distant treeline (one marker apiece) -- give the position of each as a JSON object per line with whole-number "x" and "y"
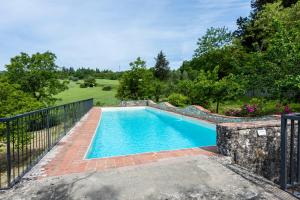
{"x": 82, "y": 73}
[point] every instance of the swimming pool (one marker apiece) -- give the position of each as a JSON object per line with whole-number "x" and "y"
{"x": 126, "y": 131}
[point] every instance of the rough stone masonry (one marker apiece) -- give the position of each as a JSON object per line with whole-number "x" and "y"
{"x": 255, "y": 146}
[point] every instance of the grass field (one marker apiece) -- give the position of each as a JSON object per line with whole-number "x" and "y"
{"x": 75, "y": 93}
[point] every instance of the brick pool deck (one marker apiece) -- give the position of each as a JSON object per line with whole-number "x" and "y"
{"x": 70, "y": 157}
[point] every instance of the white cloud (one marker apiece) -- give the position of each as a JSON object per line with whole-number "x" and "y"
{"x": 112, "y": 33}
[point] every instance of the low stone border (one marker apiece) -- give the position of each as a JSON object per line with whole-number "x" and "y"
{"x": 197, "y": 112}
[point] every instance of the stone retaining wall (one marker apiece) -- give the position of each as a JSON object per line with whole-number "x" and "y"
{"x": 247, "y": 145}
{"x": 134, "y": 103}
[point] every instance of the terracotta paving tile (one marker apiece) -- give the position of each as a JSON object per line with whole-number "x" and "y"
{"x": 71, "y": 159}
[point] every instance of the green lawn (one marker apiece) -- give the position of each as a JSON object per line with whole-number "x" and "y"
{"x": 75, "y": 93}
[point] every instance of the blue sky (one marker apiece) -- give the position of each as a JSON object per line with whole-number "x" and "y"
{"x": 111, "y": 33}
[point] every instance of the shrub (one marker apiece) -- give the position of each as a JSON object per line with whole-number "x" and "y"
{"x": 250, "y": 110}
{"x": 73, "y": 78}
{"x": 283, "y": 109}
{"x": 98, "y": 103}
{"x": 178, "y": 99}
{"x": 90, "y": 82}
{"x": 107, "y": 88}
{"x": 83, "y": 85}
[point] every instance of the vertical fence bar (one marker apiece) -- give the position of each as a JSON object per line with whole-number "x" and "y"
{"x": 292, "y": 175}
{"x": 65, "y": 119}
{"x": 48, "y": 130}
{"x": 8, "y": 154}
{"x": 298, "y": 152}
{"x": 283, "y": 140}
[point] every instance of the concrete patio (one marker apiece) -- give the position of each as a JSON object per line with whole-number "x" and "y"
{"x": 192, "y": 177}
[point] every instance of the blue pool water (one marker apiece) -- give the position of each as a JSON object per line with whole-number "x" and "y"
{"x": 125, "y": 131}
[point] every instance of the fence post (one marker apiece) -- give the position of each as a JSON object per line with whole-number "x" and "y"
{"x": 48, "y": 130}
{"x": 65, "y": 120}
{"x": 283, "y": 141}
{"x": 8, "y": 154}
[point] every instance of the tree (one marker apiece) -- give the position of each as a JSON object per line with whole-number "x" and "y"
{"x": 161, "y": 68}
{"x": 36, "y": 74}
{"x": 226, "y": 89}
{"x": 157, "y": 90}
{"x": 214, "y": 38}
{"x": 136, "y": 83}
{"x": 209, "y": 88}
{"x": 14, "y": 101}
{"x": 288, "y": 3}
{"x": 185, "y": 87}
{"x": 288, "y": 88}
{"x": 278, "y": 55}
{"x": 90, "y": 81}
{"x": 257, "y": 5}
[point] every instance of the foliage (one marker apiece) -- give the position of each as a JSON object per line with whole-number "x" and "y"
{"x": 82, "y": 73}
{"x": 14, "y": 101}
{"x": 83, "y": 85}
{"x": 209, "y": 88}
{"x": 177, "y": 99}
{"x": 98, "y": 103}
{"x": 289, "y": 87}
{"x": 185, "y": 87}
{"x": 161, "y": 68}
{"x": 214, "y": 38}
{"x": 90, "y": 82}
{"x": 136, "y": 83}
{"x": 36, "y": 75}
{"x": 157, "y": 90}
{"x": 74, "y": 78}
{"x": 226, "y": 89}
{"x": 107, "y": 88}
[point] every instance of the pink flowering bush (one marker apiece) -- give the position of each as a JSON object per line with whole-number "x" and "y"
{"x": 250, "y": 110}
{"x": 247, "y": 110}
{"x": 287, "y": 110}
{"x": 283, "y": 109}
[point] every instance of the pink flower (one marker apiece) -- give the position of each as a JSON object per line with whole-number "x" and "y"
{"x": 287, "y": 109}
{"x": 251, "y": 109}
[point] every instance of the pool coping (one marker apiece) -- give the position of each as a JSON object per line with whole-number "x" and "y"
{"x": 69, "y": 155}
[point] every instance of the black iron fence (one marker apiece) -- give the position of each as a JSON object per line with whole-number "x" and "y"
{"x": 26, "y": 138}
{"x": 290, "y": 154}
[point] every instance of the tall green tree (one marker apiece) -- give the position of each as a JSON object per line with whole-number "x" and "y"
{"x": 161, "y": 68}
{"x": 214, "y": 38}
{"x": 36, "y": 74}
{"x": 278, "y": 55}
{"x": 135, "y": 84}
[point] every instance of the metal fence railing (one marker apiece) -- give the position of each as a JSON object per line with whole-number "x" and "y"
{"x": 290, "y": 154}
{"x": 26, "y": 138}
